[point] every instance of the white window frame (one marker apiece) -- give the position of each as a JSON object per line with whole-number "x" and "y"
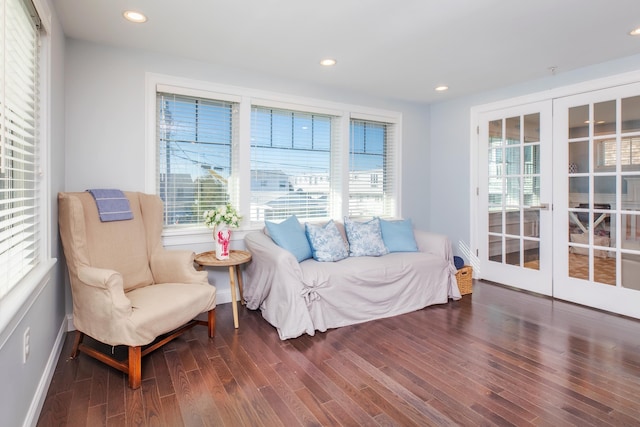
{"x": 248, "y": 97}
{"x": 22, "y": 296}
{"x": 167, "y": 92}
{"x": 393, "y": 140}
{"x": 337, "y": 118}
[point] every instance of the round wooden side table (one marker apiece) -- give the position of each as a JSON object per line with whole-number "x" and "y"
{"x": 236, "y": 259}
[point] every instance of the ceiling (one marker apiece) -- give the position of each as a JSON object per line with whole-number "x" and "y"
{"x": 391, "y": 49}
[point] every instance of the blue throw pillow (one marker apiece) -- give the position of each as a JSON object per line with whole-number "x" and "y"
{"x": 365, "y": 238}
{"x": 290, "y": 235}
{"x": 327, "y": 243}
{"x": 398, "y": 236}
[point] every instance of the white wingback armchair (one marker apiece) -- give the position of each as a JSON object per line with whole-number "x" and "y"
{"x": 126, "y": 288}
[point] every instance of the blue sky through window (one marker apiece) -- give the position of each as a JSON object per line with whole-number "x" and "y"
{"x": 292, "y": 142}
{"x": 366, "y": 147}
{"x": 196, "y": 135}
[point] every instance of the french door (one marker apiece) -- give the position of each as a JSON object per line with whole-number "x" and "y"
{"x": 586, "y": 249}
{"x": 514, "y": 196}
{"x": 597, "y": 199}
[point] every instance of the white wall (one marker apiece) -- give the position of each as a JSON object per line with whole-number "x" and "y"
{"x": 105, "y": 115}
{"x": 105, "y": 122}
{"x": 24, "y": 385}
{"x": 450, "y": 166}
{"x": 416, "y": 174}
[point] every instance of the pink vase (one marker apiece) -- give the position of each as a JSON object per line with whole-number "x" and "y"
{"x": 222, "y": 238}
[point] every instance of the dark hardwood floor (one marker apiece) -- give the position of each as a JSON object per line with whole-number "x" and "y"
{"x": 497, "y": 357}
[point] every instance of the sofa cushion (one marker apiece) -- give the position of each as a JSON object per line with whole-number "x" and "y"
{"x": 290, "y": 235}
{"x": 326, "y": 242}
{"x": 365, "y": 238}
{"x": 398, "y": 236}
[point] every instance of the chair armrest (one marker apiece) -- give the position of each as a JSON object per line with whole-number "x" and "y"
{"x": 109, "y": 287}
{"x": 99, "y": 302}
{"x": 102, "y": 278}
{"x": 176, "y": 267}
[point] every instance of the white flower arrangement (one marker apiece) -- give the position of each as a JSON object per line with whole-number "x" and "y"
{"x": 226, "y": 214}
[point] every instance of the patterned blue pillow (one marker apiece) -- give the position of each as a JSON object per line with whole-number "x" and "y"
{"x": 365, "y": 238}
{"x": 327, "y": 243}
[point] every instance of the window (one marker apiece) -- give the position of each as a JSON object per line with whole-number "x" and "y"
{"x": 20, "y": 208}
{"x": 269, "y": 155}
{"x": 194, "y": 156}
{"x": 372, "y": 175}
{"x": 290, "y": 164}
{"x": 629, "y": 152}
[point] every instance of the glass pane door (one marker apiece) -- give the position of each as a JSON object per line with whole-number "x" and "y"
{"x": 513, "y": 144}
{"x": 598, "y": 219}
{"x": 514, "y": 191}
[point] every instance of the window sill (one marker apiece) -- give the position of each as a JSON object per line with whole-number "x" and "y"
{"x": 18, "y": 301}
{"x": 190, "y": 236}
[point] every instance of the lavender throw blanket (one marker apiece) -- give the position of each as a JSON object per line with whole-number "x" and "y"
{"x": 113, "y": 205}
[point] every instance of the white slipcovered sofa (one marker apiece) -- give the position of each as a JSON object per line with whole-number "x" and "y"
{"x": 308, "y": 296}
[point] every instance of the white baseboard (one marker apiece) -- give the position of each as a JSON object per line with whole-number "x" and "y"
{"x": 70, "y": 325}
{"x": 223, "y": 296}
{"x": 43, "y": 386}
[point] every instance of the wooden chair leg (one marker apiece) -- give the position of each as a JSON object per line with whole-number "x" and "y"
{"x": 135, "y": 367}
{"x": 76, "y": 344}
{"x": 212, "y": 323}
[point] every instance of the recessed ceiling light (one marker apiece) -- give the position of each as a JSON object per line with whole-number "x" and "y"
{"x": 328, "y": 62}
{"x": 133, "y": 16}
{"x": 635, "y": 32}
{"x": 442, "y": 88}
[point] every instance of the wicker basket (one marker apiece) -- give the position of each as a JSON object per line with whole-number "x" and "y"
{"x": 464, "y": 276}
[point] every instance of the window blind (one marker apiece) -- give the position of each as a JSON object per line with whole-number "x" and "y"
{"x": 195, "y": 137}
{"x": 629, "y": 152}
{"x": 290, "y": 163}
{"x": 372, "y": 174}
{"x": 19, "y": 101}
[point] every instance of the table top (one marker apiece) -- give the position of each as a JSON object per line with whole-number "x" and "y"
{"x": 236, "y": 257}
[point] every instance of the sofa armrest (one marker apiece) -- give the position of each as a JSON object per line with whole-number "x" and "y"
{"x": 435, "y": 243}
{"x": 440, "y": 245}
{"x": 176, "y": 266}
{"x": 269, "y": 264}
{"x": 263, "y": 247}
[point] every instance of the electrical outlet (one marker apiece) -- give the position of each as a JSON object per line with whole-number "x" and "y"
{"x": 26, "y": 340}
